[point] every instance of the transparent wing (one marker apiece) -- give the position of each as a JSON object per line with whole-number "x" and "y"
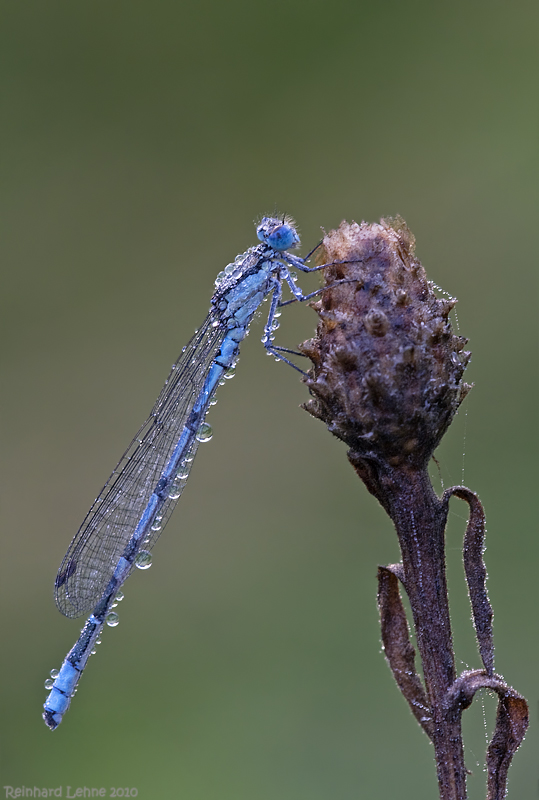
{"x": 94, "y": 552}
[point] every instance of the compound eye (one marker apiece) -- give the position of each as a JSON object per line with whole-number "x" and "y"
{"x": 283, "y": 237}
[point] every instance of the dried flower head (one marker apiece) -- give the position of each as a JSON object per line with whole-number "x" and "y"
{"x": 387, "y": 367}
{"x": 387, "y": 380}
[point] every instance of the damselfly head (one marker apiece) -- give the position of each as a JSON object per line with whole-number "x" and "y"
{"x": 279, "y": 234}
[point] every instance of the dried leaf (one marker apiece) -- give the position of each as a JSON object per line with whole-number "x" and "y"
{"x": 476, "y": 573}
{"x": 511, "y": 723}
{"x": 398, "y": 648}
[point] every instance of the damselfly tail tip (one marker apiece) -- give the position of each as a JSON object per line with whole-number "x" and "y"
{"x": 51, "y": 719}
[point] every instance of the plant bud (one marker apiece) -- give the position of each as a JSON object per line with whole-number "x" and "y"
{"x": 387, "y": 368}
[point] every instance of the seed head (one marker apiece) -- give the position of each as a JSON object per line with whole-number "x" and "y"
{"x": 387, "y": 369}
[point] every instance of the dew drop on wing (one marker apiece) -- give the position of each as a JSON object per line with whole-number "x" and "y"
{"x": 204, "y": 433}
{"x": 112, "y": 619}
{"x": 175, "y": 490}
{"x": 143, "y": 560}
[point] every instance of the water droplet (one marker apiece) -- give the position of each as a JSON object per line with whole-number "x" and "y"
{"x": 49, "y": 683}
{"x": 54, "y": 673}
{"x": 231, "y": 371}
{"x": 93, "y": 652}
{"x": 112, "y": 619}
{"x": 222, "y": 382}
{"x": 143, "y": 560}
{"x": 113, "y": 605}
{"x": 215, "y": 323}
{"x": 175, "y": 491}
{"x": 205, "y": 432}
{"x": 157, "y": 523}
{"x": 213, "y": 401}
{"x": 119, "y": 597}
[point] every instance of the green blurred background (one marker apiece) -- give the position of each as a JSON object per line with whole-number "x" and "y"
{"x": 139, "y": 143}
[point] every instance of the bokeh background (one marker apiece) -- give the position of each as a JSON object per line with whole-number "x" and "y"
{"x": 140, "y": 141}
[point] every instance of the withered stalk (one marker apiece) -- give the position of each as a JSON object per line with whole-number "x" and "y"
{"x": 387, "y": 380}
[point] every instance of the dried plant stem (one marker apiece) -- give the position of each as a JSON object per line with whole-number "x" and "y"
{"x": 387, "y": 380}
{"x": 420, "y": 518}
